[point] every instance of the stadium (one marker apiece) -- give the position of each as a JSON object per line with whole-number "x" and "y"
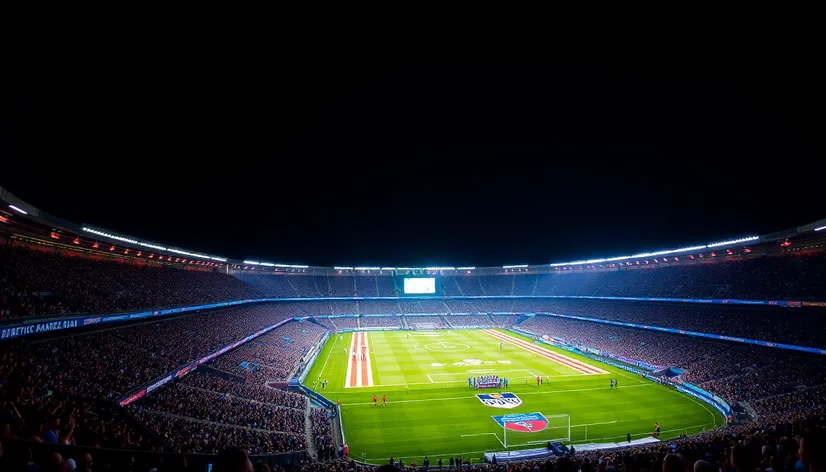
{"x": 677, "y": 349}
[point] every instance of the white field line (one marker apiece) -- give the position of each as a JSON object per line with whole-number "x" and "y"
{"x": 713, "y": 418}
{"x": 351, "y": 353}
{"x": 328, "y": 357}
{"x": 429, "y": 378}
{"x": 368, "y": 366}
{"x": 561, "y": 359}
{"x": 534, "y": 375}
{"x": 549, "y": 392}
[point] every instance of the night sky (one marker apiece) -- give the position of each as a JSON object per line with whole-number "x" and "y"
{"x": 327, "y": 161}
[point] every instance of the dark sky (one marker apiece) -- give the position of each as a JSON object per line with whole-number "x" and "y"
{"x": 333, "y": 160}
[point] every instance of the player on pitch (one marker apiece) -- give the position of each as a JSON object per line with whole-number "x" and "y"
{"x": 384, "y": 400}
{"x": 374, "y": 400}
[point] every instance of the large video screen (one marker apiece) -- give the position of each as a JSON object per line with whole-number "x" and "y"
{"x": 420, "y": 286}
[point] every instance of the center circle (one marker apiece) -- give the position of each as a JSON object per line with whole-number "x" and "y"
{"x": 446, "y": 346}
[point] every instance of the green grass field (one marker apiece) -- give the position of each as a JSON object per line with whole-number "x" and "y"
{"x": 432, "y": 411}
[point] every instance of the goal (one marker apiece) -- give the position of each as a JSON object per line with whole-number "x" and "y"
{"x": 534, "y": 428}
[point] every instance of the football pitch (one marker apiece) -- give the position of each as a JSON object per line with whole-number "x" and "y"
{"x": 431, "y": 410}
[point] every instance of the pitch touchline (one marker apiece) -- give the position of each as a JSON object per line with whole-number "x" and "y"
{"x": 328, "y": 356}
{"x": 526, "y": 393}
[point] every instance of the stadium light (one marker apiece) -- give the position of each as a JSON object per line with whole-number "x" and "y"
{"x": 153, "y": 246}
{"x": 465, "y": 268}
{"x": 19, "y": 210}
{"x": 108, "y": 235}
{"x": 368, "y": 268}
{"x": 292, "y": 266}
{"x": 658, "y": 253}
{"x": 342, "y": 268}
{"x": 821, "y": 228}
{"x": 734, "y": 241}
{"x": 516, "y": 266}
{"x": 388, "y": 268}
{"x": 251, "y": 262}
{"x": 268, "y": 264}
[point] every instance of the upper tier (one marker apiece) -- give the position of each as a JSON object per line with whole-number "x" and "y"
{"x": 35, "y": 282}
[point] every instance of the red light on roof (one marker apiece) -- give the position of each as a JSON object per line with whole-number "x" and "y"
{"x": 160, "y": 258}
{"x": 746, "y": 250}
{"x": 126, "y": 251}
{"x": 786, "y": 243}
{"x": 54, "y": 235}
{"x": 96, "y": 245}
{"x": 4, "y": 219}
{"x": 76, "y": 241}
{"x": 112, "y": 248}
{"x": 151, "y": 256}
{"x": 713, "y": 255}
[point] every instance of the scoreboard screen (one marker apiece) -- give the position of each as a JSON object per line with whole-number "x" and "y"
{"x": 420, "y": 286}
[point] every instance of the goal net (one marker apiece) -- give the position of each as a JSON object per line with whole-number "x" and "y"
{"x": 527, "y": 429}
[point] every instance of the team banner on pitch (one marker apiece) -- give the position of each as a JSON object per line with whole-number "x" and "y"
{"x": 500, "y": 400}
{"x": 522, "y": 422}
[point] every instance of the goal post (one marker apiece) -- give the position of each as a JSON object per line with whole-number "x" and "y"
{"x": 526, "y": 429}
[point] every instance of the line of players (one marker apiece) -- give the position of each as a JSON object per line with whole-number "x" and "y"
{"x": 487, "y": 381}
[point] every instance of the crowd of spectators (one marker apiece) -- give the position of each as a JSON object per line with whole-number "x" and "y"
{"x": 204, "y": 379}
{"x": 39, "y": 282}
{"x": 48, "y": 388}
{"x": 425, "y": 321}
{"x": 35, "y": 282}
{"x": 735, "y": 372}
{"x": 381, "y": 321}
{"x": 325, "y": 444}
{"x": 470, "y": 321}
{"x": 800, "y": 326}
{"x": 191, "y": 436}
{"x": 273, "y": 356}
{"x": 224, "y": 408}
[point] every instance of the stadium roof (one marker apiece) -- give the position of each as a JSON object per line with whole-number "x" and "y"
{"x": 15, "y": 207}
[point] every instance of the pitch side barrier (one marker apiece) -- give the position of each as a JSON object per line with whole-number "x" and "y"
{"x": 644, "y": 370}
{"x": 180, "y": 372}
{"x": 44, "y": 325}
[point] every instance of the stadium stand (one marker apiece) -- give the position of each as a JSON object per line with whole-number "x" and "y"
{"x": 381, "y": 322}
{"x": 60, "y": 389}
{"x": 272, "y": 356}
{"x": 35, "y": 282}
